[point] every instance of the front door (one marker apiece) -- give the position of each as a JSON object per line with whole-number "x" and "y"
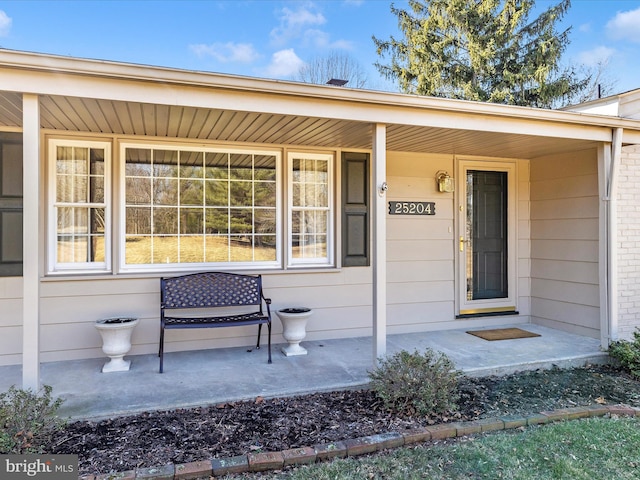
{"x": 486, "y": 240}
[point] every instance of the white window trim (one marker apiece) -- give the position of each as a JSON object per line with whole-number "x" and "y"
{"x": 52, "y": 251}
{"x": 175, "y": 267}
{"x": 310, "y": 262}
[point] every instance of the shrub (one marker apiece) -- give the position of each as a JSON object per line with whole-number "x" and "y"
{"x": 28, "y": 420}
{"x": 415, "y": 384}
{"x": 627, "y": 353}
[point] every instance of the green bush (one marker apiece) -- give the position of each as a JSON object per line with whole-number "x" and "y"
{"x": 28, "y": 420}
{"x": 415, "y": 384}
{"x": 628, "y": 353}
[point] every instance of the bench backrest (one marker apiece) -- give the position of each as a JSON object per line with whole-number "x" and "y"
{"x": 211, "y": 289}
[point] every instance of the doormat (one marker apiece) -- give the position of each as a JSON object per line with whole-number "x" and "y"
{"x": 502, "y": 334}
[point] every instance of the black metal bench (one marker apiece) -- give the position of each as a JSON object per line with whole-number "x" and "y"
{"x": 188, "y": 301}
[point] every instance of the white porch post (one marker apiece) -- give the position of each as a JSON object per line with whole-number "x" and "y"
{"x": 608, "y": 166}
{"x": 30, "y": 243}
{"x": 379, "y": 254}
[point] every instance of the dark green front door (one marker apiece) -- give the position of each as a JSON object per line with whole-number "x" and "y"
{"x": 487, "y": 233}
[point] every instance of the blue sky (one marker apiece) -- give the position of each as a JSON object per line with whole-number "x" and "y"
{"x": 272, "y": 39}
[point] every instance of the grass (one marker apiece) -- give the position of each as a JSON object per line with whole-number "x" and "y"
{"x": 580, "y": 449}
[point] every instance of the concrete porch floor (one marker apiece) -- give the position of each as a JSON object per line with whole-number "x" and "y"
{"x": 222, "y": 375}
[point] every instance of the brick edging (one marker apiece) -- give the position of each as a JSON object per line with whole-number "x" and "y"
{"x": 264, "y": 461}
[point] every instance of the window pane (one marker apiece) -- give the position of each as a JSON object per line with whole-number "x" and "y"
{"x": 165, "y": 221}
{"x": 265, "y": 248}
{"x": 138, "y": 162}
{"x": 191, "y": 192}
{"x": 165, "y": 191}
{"x": 241, "y": 248}
{"x": 217, "y": 165}
{"x": 192, "y": 249}
{"x": 138, "y": 250}
{"x": 165, "y": 163}
{"x": 217, "y": 220}
{"x": 96, "y": 158}
{"x": 216, "y": 248}
{"x": 265, "y": 194}
{"x": 97, "y": 189}
{"x": 241, "y": 194}
{"x": 241, "y": 220}
{"x": 97, "y": 220}
{"x": 265, "y": 167}
{"x": 217, "y": 193}
{"x": 265, "y": 220}
{"x": 165, "y": 249}
{"x": 97, "y": 248}
{"x": 138, "y": 221}
{"x": 191, "y": 220}
{"x": 241, "y": 166}
{"x": 191, "y": 165}
{"x": 138, "y": 191}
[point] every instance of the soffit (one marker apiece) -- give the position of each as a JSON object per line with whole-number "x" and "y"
{"x": 75, "y": 114}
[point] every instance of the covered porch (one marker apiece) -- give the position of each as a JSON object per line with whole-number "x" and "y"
{"x": 411, "y": 292}
{"x": 205, "y": 377}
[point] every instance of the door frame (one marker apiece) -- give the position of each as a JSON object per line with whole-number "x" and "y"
{"x": 464, "y": 307}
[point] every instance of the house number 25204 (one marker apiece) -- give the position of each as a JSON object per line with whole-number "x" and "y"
{"x": 412, "y": 208}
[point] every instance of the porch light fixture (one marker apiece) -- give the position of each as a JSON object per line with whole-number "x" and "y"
{"x": 445, "y": 182}
{"x": 337, "y": 82}
{"x": 382, "y": 189}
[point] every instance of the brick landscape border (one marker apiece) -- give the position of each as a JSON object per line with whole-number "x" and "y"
{"x": 264, "y": 461}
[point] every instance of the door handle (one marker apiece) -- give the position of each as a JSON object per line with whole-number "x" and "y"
{"x": 462, "y": 244}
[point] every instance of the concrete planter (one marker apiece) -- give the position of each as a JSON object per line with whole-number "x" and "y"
{"x": 294, "y": 324}
{"x": 116, "y": 342}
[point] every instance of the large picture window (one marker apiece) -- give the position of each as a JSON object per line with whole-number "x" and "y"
{"x": 185, "y": 206}
{"x": 79, "y": 213}
{"x": 310, "y": 200}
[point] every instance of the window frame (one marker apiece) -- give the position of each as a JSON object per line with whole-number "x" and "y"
{"x": 170, "y": 267}
{"x": 329, "y": 260}
{"x": 54, "y": 266}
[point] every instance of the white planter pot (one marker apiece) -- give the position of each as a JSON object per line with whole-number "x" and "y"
{"x": 116, "y": 342}
{"x": 294, "y": 325}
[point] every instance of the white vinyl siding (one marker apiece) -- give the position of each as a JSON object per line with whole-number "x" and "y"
{"x": 564, "y": 243}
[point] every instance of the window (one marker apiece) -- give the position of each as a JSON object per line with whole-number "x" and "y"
{"x": 79, "y": 215}
{"x": 185, "y": 206}
{"x": 310, "y": 207}
{"x": 180, "y": 207}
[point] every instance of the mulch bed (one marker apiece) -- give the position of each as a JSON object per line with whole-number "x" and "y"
{"x": 185, "y": 435}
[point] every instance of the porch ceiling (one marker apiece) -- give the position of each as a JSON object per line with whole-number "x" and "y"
{"x": 76, "y": 114}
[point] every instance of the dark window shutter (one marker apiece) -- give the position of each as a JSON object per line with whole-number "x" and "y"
{"x": 355, "y": 209}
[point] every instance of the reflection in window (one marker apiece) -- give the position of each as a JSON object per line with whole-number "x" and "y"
{"x": 310, "y": 208}
{"x": 79, "y": 207}
{"x": 187, "y": 207}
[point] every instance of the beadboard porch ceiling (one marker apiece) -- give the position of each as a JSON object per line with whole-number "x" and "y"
{"x": 75, "y": 114}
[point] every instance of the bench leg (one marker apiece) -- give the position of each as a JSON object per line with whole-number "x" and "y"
{"x": 161, "y": 350}
{"x": 269, "y": 340}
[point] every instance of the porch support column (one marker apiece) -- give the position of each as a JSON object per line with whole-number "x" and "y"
{"x": 30, "y": 243}
{"x": 608, "y": 167}
{"x": 379, "y": 254}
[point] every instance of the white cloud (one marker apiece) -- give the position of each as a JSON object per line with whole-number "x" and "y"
{"x": 595, "y": 56}
{"x": 293, "y": 22}
{"x": 5, "y": 24}
{"x": 284, "y": 63}
{"x": 227, "y": 52}
{"x": 585, "y": 28}
{"x": 625, "y": 26}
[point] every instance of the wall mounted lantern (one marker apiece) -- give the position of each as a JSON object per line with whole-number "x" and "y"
{"x": 445, "y": 182}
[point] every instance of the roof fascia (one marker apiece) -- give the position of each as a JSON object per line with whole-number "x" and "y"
{"x": 178, "y": 86}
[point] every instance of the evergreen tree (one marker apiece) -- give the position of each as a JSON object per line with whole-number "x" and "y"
{"x": 482, "y": 50}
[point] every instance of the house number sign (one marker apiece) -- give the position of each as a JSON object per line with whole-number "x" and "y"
{"x": 412, "y": 208}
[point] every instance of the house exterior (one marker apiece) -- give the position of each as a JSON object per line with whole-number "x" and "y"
{"x": 385, "y": 213}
